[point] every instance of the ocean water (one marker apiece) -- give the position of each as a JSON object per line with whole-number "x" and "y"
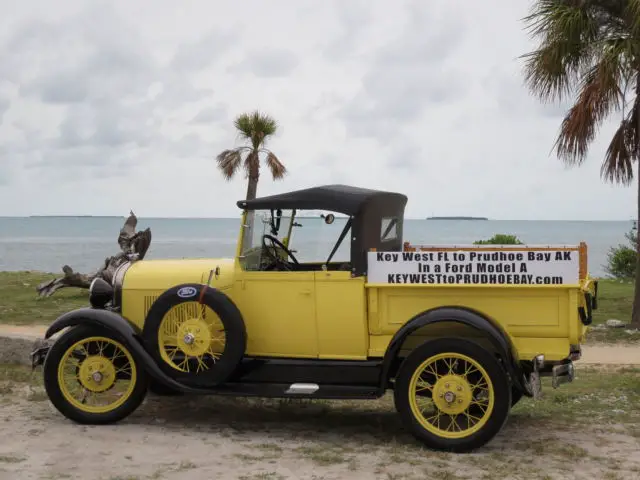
{"x": 48, "y": 243}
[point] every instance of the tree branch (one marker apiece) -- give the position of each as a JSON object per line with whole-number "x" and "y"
{"x": 133, "y": 246}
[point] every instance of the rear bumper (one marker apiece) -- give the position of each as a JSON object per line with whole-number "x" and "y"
{"x": 560, "y": 372}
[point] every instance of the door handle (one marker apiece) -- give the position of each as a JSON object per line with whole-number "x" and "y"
{"x": 305, "y": 292}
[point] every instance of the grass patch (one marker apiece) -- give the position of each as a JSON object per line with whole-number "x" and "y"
{"x": 615, "y": 300}
{"x": 18, "y": 374}
{"x": 323, "y": 456}
{"x": 595, "y": 397}
{"x": 11, "y": 459}
{"x": 20, "y": 305}
{"x": 262, "y": 476}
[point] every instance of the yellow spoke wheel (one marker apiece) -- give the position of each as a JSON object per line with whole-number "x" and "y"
{"x": 453, "y": 394}
{"x": 88, "y": 374}
{"x": 191, "y": 337}
{"x": 92, "y": 377}
{"x": 195, "y": 334}
{"x": 461, "y": 397}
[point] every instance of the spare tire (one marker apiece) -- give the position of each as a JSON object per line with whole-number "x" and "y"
{"x": 181, "y": 338}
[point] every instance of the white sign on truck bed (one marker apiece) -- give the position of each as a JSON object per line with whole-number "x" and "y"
{"x": 477, "y": 264}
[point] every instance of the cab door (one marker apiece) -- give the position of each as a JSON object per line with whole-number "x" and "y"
{"x": 340, "y": 304}
{"x": 279, "y": 310}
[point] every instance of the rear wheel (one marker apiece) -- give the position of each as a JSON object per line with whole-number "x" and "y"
{"x": 91, "y": 377}
{"x": 452, "y": 394}
{"x": 516, "y": 395}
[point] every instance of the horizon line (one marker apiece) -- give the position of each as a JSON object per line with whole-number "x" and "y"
{"x": 337, "y": 216}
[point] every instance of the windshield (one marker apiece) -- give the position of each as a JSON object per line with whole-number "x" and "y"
{"x": 310, "y": 238}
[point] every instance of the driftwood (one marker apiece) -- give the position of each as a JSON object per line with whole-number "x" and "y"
{"x": 133, "y": 246}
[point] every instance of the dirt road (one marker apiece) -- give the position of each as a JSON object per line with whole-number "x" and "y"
{"x": 591, "y": 434}
{"x": 572, "y": 434}
{"x": 610, "y": 355}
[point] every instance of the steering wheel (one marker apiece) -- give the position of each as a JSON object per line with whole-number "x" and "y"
{"x": 273, "y": 254}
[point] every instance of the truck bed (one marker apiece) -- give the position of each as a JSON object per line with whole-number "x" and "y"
{"x": 531, "y": 292}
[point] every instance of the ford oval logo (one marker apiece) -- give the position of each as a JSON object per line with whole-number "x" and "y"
{"x": 186, "y": 292}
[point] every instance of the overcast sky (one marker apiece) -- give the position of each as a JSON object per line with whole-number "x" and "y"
{"x": 118, "y": 105}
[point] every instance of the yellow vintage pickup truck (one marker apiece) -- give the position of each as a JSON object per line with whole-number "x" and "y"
{"x": 458, "y": 333}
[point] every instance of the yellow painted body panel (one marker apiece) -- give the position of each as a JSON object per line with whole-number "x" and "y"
{"x": 330, "y": 315}
{"x": 535, "y": 319}
{"x": 279, "y": 313}
{"x": 341, "y": 316}
{"x": 147, "y": 279}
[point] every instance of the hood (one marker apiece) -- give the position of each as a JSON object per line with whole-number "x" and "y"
{"x": 160, "y": 275}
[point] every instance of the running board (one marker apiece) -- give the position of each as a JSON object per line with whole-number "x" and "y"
{"x": 293, "y": 390}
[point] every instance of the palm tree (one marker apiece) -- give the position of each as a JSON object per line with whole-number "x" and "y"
{"x": 591, "y": 49}
{"x": 254, "y": 128}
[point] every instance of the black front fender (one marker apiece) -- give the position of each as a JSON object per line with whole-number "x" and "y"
{"x": 126, "y": 332}
{"x": 93, "y": 316}
{"x": 461, "y": 315}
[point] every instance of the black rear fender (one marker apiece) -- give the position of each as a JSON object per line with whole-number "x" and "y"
{"x": 470, "y": 323}
{"x": 127, "y": 333}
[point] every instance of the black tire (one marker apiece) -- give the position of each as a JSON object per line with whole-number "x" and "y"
{"x": 231, "y": 318}
{"x": 516, "y": 396}
{"x": 161, "y": 390}
{"x": 54, "y": 390}
{"x": 496, "y": 374}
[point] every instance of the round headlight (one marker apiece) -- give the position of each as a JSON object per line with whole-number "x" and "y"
{"x": 100, "y": 293}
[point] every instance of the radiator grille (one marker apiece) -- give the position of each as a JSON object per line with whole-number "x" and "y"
{"x": 148, "y": 301}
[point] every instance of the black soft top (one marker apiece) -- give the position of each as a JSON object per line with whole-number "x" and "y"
{"x": 343, "y": 199}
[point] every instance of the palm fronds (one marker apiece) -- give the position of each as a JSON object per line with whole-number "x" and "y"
{"x": 589, "y": 48}
{"x": 255, "y": 128}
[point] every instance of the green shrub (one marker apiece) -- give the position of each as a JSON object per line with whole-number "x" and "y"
{"x": 500, "y": 239}
{"x": 621, "y": 260}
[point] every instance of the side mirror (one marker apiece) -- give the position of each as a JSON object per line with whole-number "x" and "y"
{"x": 328, "y": 219}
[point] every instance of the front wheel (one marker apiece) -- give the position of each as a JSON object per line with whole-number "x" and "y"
{"x": 91, "y": 377}
{"x": 452, "y": 394}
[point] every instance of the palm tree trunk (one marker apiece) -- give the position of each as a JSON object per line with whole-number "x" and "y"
{"x": 635, "y": 312}
{"x": 252, "y": 186}
{"x": 252, "y": 189}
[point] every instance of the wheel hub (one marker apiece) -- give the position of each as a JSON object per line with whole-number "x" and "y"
{"x": 194, "y": 337}
{"x": 97, "y": 373}
{"x": 452, "y": 394}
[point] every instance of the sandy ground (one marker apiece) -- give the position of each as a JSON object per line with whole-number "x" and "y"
{"x": 210, "y": 438}
{"x": 610, "y": 354}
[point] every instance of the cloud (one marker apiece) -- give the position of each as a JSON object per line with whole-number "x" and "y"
{"x": 126, "y": 105}
{"x": 354, "y": 17}
{"x": 267, "y": 63}
{"x": 4, "y": 106}
{"x": 210, "y": 115}
{"x": 406, "y": 75}
{"x": 202, "y": 53}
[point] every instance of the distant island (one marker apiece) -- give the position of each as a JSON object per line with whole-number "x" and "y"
{"x": 457, "y": 218}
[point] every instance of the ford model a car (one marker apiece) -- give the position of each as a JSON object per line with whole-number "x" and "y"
{"x": 458, "y": 333}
